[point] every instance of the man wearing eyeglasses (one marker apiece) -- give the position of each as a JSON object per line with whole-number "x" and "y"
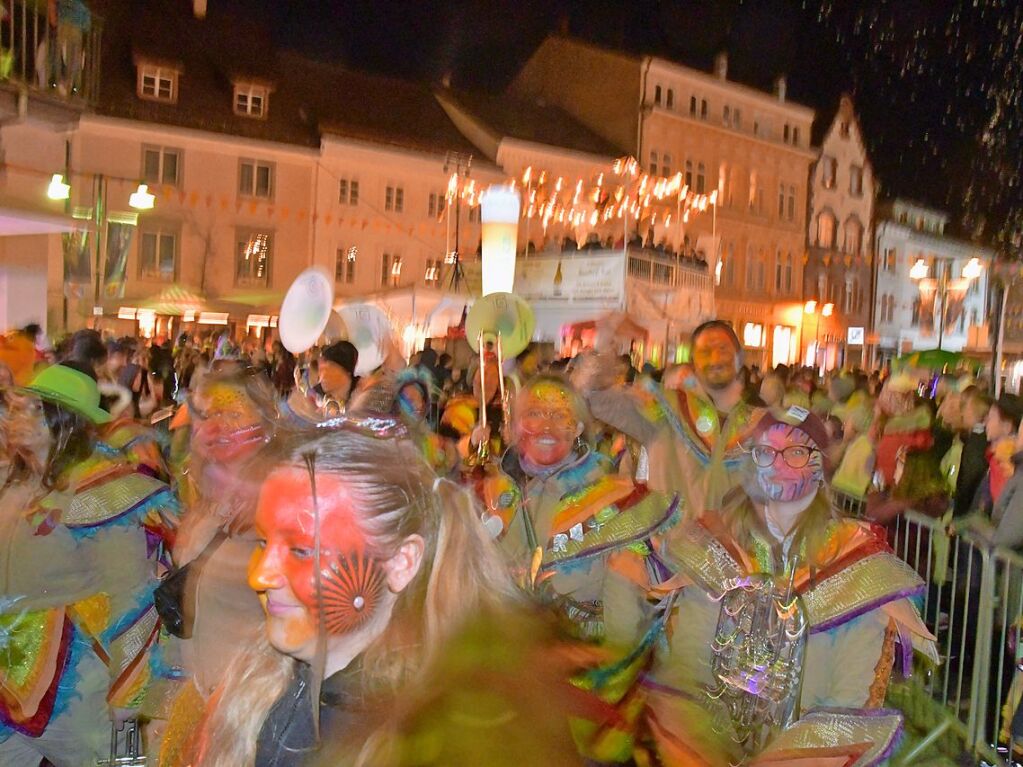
{"x": 693, "y": 435}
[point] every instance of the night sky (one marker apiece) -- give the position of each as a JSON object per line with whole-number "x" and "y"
{"x": 936, "y": 82}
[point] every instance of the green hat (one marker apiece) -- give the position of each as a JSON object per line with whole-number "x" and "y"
{"x": 69, "y": 388}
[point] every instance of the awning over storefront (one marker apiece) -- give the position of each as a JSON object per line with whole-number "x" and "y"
{"x": 18, "y": 221}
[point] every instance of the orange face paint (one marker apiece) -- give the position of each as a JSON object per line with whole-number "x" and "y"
{"x": 284, "y": 568}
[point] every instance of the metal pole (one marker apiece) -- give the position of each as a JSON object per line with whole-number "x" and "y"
{"x": 997, "y": 372}
{"x": 942, "y": 291}
{"x": 99, "y": 214}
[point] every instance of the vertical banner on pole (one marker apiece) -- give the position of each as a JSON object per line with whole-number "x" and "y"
{"x": 928, "y": 291}
{"x": 118, "y": 243}
{"x": 77, "y": 263}
{"x": 499, "y": 208}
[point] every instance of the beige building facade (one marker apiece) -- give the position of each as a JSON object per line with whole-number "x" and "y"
{"x": 841, "y": 245}
{"x": 750, "y": 148}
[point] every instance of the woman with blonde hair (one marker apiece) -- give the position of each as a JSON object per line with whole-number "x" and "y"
{"x": 366, "y": 564}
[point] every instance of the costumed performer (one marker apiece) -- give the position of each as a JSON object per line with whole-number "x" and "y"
{"x": 366, "y": 565}
{"x": 694, "y": 436}
{"x": 788, "y": 621}
{"x": 82, "y": 536}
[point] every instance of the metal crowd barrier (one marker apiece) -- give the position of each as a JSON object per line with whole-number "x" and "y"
{"x": 974, "y": 606}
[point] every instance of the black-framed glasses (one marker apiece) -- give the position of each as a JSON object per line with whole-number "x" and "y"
{"x": 795, "y": 456}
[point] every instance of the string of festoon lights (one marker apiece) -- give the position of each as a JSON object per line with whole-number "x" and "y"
{"x": 625, "y": 190}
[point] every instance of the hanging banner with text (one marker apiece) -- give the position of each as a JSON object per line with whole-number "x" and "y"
{"x": 596, "y": 276}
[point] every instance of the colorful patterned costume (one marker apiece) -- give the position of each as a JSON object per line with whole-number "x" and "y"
{"x": 766, "y": 648}
{"x": 693, "y": 450}
{"x": 592, "y": 530}
{"x": 78, "y": 630}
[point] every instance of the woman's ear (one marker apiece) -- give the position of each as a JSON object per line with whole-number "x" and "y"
{"x": 579, "y": 428}
{"x": 403, "y": 565}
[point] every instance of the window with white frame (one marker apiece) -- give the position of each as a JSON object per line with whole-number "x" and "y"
{"x": 344, "y": 267}
{"x": 394, "y": 199}
{"x": 157, "y": 83}
{"x": 251, "y": 100}
{"x": 256, "y": 179}
{"x": 348, "y": 191}
{"x": 161, "y": 165}
{"x": 253, "y": 251}
{"x": 158, "y": 252}
{"x": 438, "y": 202}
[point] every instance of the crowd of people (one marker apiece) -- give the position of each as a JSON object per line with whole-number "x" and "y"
{"x": 268, "y": 560}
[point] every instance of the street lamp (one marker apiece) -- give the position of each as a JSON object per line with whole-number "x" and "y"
{"x": 58, "y": 189}
{"x": 142, "y": 198}
{"x": 941, "y": 286}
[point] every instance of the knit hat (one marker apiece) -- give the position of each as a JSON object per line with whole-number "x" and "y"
{"x": 1010, "y": 406}
{"x": 342, "y": 354}
{"x": 69, "y": 388}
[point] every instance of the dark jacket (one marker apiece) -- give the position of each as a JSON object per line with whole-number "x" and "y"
{"x": 288, "y": 736}
{"x": 973, "y": 468}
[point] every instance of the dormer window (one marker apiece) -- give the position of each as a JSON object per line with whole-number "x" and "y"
{"x": 157, "y": 83}
{"x": 250, "y": 99}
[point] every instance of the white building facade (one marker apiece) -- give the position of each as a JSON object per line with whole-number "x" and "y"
{"x": 934, "y": 305}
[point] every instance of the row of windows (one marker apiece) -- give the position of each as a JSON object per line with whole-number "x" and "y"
{"x": 756, "y": 275}
{"x": 731, "y": 116}
{"x": 156, "y": 83}
{"x": 847, "y": 294}
{"x": 695, "y": 177}
{"x": 158, "y": 259}
{"x": 162, "y": 165}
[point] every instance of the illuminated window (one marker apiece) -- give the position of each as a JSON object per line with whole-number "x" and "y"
{"x": 753, "y": 335}
{"x": 438, "y": 201}
{"x": 157, "y": 83}
{"x": 829, "y": 171}
{"x": 390, "y": 269}
{"x": 252, "y": 257}
{"x": 344, "y": 267}
{"x": 853, "y": 236}
{"x": 432, "y": 275}
{"x": 826, "y": 230}
{"x": 250, "y": 99}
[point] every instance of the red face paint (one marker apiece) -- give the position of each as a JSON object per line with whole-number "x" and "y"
{"x": 283, "y": 568}
{"x": 546, "y": 425}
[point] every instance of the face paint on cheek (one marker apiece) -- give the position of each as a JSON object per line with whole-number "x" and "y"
{"x": 352, "y": 588}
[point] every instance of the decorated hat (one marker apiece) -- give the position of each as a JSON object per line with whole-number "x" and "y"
{"x": 71, "y": 389}
{"x": 799, "y": 418}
